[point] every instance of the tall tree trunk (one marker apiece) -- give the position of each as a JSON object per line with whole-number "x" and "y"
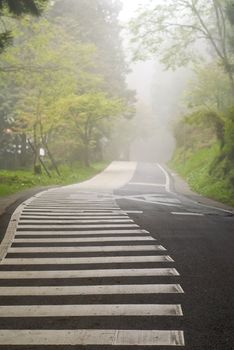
{"x": 86, "y": 155}
{"x": 23, "y": 156}
{"x": 51, "y": 158}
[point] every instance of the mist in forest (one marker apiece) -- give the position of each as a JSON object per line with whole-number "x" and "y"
{"x": 105, "y": 80}
{"x": 159, "y": 94}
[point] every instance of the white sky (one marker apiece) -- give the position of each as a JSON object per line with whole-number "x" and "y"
{"x": 129, "y": 7}
{"x": 141, "y": 77}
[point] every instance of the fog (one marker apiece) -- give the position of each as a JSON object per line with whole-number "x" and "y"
{"x": 160, "y": 91}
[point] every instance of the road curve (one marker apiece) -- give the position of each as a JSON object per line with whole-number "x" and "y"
{"x": 117, "y": 262}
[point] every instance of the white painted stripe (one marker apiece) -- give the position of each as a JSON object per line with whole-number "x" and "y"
{"x": 96, "y": 232}
{"x": 71, "y": 217}
{"x": 74, "y": 222}
{"x": 88, "y": 273}
{"x": 137, "y": 199}
{"x": 167, "y": 184}
{"x": 146, "y": 184}
{"x": 74, "y": 202}
{"x": 76, "y": 210}
{"x": 186, "y": 213}
{"x": 83, "y": 240}
{"x": 89, "y": 260}
{"x": 94, "y": 290}
{"x": 90, "y": 310}
{"x": 77, "y": 226}
{"x": 128, "y": 248}
{"x": 78, "y": 207}
{"x": 52, "y": 202}
{"x": 92, "y": 337}
{"x": 71, "y": 202}
{"x": 134, "y": 212}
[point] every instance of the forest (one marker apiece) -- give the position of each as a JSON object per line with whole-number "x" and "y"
{"x": 63, "y": 93}
{"x": 65, "y": 102}
{"x": 199, "y": 35}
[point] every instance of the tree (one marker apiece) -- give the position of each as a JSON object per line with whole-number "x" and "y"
{"x": 174, "y": 30}
{"x": 60, "y": 75}
{"x": 87, "y": 115}
{"x": 230, "y": 11}
{"x": 96, "y": 22}
{"x": 54, "y": 67}
{"x": 209, "y": 88}
{"x": 16, "y": 9}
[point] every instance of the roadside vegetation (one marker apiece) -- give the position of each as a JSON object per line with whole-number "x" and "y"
{"x": 195, "y": 167}
{"x": 12, "y": 181}
{"x": 203, "y": 40}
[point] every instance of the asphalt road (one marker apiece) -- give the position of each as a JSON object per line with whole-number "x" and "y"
{"x": 201, "y": 241}
{"x": 119, "y": 262}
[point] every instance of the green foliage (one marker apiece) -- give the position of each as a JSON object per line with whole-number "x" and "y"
{"x": 209, "y": 88}
{"x": 230, "y": 11}
{"x": 88, "y": 116}
{"x": 174, "y": 30}
{"x": 96, "y": 22}
{"x": 61, "y": 86}
{"x": 14, "y": 9}
{"x": 195, "y": 168}
{"x": 205, "y": 153}
{"x": 21, "y": 7}
{"x": 229, "y": 136}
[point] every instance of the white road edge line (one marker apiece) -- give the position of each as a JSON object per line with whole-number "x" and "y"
{"x": 167, "y": 184}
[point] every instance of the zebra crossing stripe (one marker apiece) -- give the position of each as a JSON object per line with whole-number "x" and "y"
{"x": 89, "y": 273}
{"x": 71, "y": 211}
{"x": 92, "y": 337}
{"x": 52, "y": 227}
{"x": 93, "y": 290}
{"x": 60, "y": 218}
{"x": 89, "y": 249}
{"x": 80, "y": 232}
{"x": 83, "y": 240}
{"x": 71, "y": 217}
{"x": 75, "y": 207}
{"x": 68, "y": 222}
{"x": 90, "y": 310}
{"x": 90, "y": 260}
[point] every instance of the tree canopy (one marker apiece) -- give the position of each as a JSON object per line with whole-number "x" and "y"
{"x": 16, "y": 9}
{"x": 61, "y": 87}
{"x": 184, "y": 31}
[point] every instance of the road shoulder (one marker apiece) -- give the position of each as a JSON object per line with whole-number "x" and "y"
{"x": 181, "y": 187}
{"x": 8, "y": 204}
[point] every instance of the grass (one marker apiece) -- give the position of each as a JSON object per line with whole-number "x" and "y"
{"x": 18, "y": 180}
{"x": 195, "y": 167}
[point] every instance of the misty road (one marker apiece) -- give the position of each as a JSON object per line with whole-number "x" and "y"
{"x": 121, "y": 261}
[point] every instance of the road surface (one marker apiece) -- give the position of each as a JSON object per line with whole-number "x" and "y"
{"x": 117, "y": 262}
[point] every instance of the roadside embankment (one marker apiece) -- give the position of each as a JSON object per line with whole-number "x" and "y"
{"x": 21, "y": 183}
{"x": 197, "y": 168}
